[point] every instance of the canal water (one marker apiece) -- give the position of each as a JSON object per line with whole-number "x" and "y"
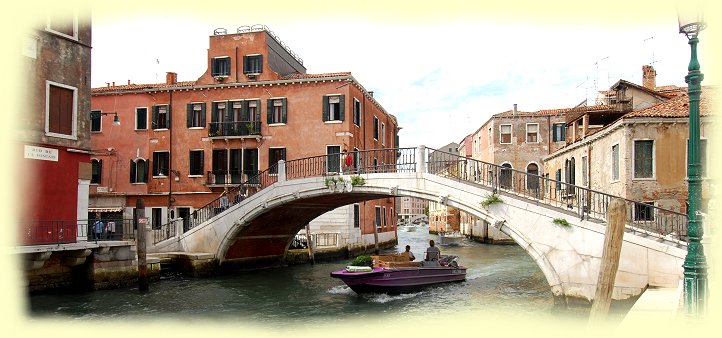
{"x": 499, "y": 278}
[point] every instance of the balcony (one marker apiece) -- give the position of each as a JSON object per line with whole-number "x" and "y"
{"x": 234, "y": 129}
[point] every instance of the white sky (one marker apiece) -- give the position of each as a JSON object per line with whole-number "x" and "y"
{"x": 441, "y": 71}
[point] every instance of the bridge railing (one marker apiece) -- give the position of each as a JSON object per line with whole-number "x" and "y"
{"x": 585, "y": 202}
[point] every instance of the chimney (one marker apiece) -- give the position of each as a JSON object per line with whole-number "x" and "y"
{"x": 649, "y": 76}
{"x": 513, "y": 112}
{"x": 371, "y": 93}
{"x": 129, "y": 82}
{"x": 171, "y": 78}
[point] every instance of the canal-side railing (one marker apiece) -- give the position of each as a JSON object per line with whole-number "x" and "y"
{"x": 39, "y": 232}
{"x": 584, "y": 202}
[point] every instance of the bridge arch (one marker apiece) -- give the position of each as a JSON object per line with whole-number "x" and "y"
{"x": 569, "y": 256}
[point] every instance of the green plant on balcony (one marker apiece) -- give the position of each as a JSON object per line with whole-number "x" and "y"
{"x": 332, "y": 180}
{"x": 561, "y": 221}
{"x": 251, "y": 127}
{"x": 491, "y": 199}
{"x": 357, "y": 180}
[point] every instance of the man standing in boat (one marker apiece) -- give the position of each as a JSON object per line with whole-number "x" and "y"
{"x": 432, "y": 252}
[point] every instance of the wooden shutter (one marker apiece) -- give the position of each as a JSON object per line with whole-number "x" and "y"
{"x": 258, "y": 111}
{"x": 189, "y": 116}
{"x": 244, "y": 112}
{"x": 147, "y": 171}
{"x": 203, "y": 115}
{"x": 324, "y": 115}
{"x": 341, "y": 100}
{"x": 132, "y": 171}
{"x": 167, "y": 117}
{"x": 269, "y": 111}
{"x": 260, "y": 64}
{"x": 154, "y": 119}
{"x": 284, "y": 110}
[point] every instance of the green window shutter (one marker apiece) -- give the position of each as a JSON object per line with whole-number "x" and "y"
{"x": 154, "y": 120}
{"x": 201, "y": 162}
{"x": 132, "y": 171}
{"x": 244, "y": 111}
{"x": 167, "y": 118}
{"x": 258, "y": 111}
{"x": 269, "y": 111}
{"x": 214, "y": 113}
{"x": 284, "y": 110}
{"x": 147, "y": 172}
{"x": 260, "y": 64}
{"x": 324, "y": 116}
{"x": 341, "y": 100}
{"x": 245, "y": 65}
{"x": 203, "y": 115}
{"x": 100, "y": 171}
{"x": 189, "y": 116}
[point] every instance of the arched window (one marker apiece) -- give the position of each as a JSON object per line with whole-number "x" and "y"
{"x": 505, "y": 180}
{"x": 96, "y": 170}
{"x": 532, "y": 181}
{"x": 139, "y": 171}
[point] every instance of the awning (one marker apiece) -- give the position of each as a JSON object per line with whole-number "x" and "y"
{"x": 106, "y": 209}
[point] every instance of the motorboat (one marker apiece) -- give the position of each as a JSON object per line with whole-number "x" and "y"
{"x": 394, "y": 274}
{"x": 409, "y": 227}
{"x": 450, "y": 238}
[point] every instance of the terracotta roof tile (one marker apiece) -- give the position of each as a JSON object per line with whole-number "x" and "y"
{"x": 677, "y": 106}
{"x": 134, "y": 87}
{"x": 546, "y": 112}
{"x": 295, "y": 76}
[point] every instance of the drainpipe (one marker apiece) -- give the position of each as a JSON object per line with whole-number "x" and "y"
{"x": 236, "y": 63}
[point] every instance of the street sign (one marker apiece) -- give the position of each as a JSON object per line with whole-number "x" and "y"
{"x": 143, "y": 220}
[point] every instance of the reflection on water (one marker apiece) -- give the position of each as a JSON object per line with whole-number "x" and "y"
{"x": 501, "y": 277}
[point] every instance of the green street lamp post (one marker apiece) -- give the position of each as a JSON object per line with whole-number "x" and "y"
{"x": 695, "y": 265}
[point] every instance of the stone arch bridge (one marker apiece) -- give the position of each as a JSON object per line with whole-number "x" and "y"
{"x": 257, "y": 220}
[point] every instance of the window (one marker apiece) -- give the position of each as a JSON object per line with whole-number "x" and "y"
{"x": 64, "y": 22}
{"x": 236, "y": 166}
{"x": 333, "y": 159}
{"x": 333, "y": 108}
{"x": 356, "y": 112}
{"x": 558, "y": 132}
{"x": 195, "y": 162}
{"x": 489, "y": 140}
{"x": 532, "y": 181}
{"x": 615, "y": 162}
{"x": 644, "y": 211}
{"x": 356, "y": 216}
{"x": 383, "y": 134}
{"x": 532, "y": 133}
{"x": 161, "y": 117}
{"x": 505, "y": 134}
{"x": 277, "y": 110}
{"x": 253, "y": 64}
{"x": 160, "y": 163}
{"x": 378, "y": 217}
{"x": 585, "y": 171}
{"x": 505, "y": 179}
{"x": 138, "y": 171}
{"x": 221, "y": 66}
{"x": 558, "y": 179}
{"x": 219, "y": 117}
{"x": 141, "y": 118}
{"x": 643, "y": 159}
{"x": 220, "y": 166}
{"x": 275, "y": 155}
{"x": 383, "y": 218}
{"x": 95, "y": 124}
{"x": 96, "y": 170}
{"x": 156, "y": 217}
{"x": 196, "y": 115}
{"x": 61, "y": 113}
{"x": 376, "y": 128}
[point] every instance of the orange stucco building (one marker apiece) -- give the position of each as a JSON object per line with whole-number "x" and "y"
{"x": 180, "y": 144}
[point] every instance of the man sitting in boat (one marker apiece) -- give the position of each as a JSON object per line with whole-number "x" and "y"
{"x": 432, "y": 253}
{"x": 408, "y": 253}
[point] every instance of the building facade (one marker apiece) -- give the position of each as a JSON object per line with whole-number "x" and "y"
{"x": 181, "y": 144}
{"x": 54, "y": 131}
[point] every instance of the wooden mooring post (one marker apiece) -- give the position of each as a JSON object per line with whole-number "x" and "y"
{"x": 309, "y": 245}
{"x": 613, "y": 238}
{"x": 140, "y": 223}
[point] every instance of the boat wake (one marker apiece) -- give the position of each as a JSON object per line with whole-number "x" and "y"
{"x": 341, "y": 290}
{"x": 382, "y": 298}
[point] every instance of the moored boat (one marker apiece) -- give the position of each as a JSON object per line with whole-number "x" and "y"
{"x": 450, "y": 238}
{"x": 393, "y": 275}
